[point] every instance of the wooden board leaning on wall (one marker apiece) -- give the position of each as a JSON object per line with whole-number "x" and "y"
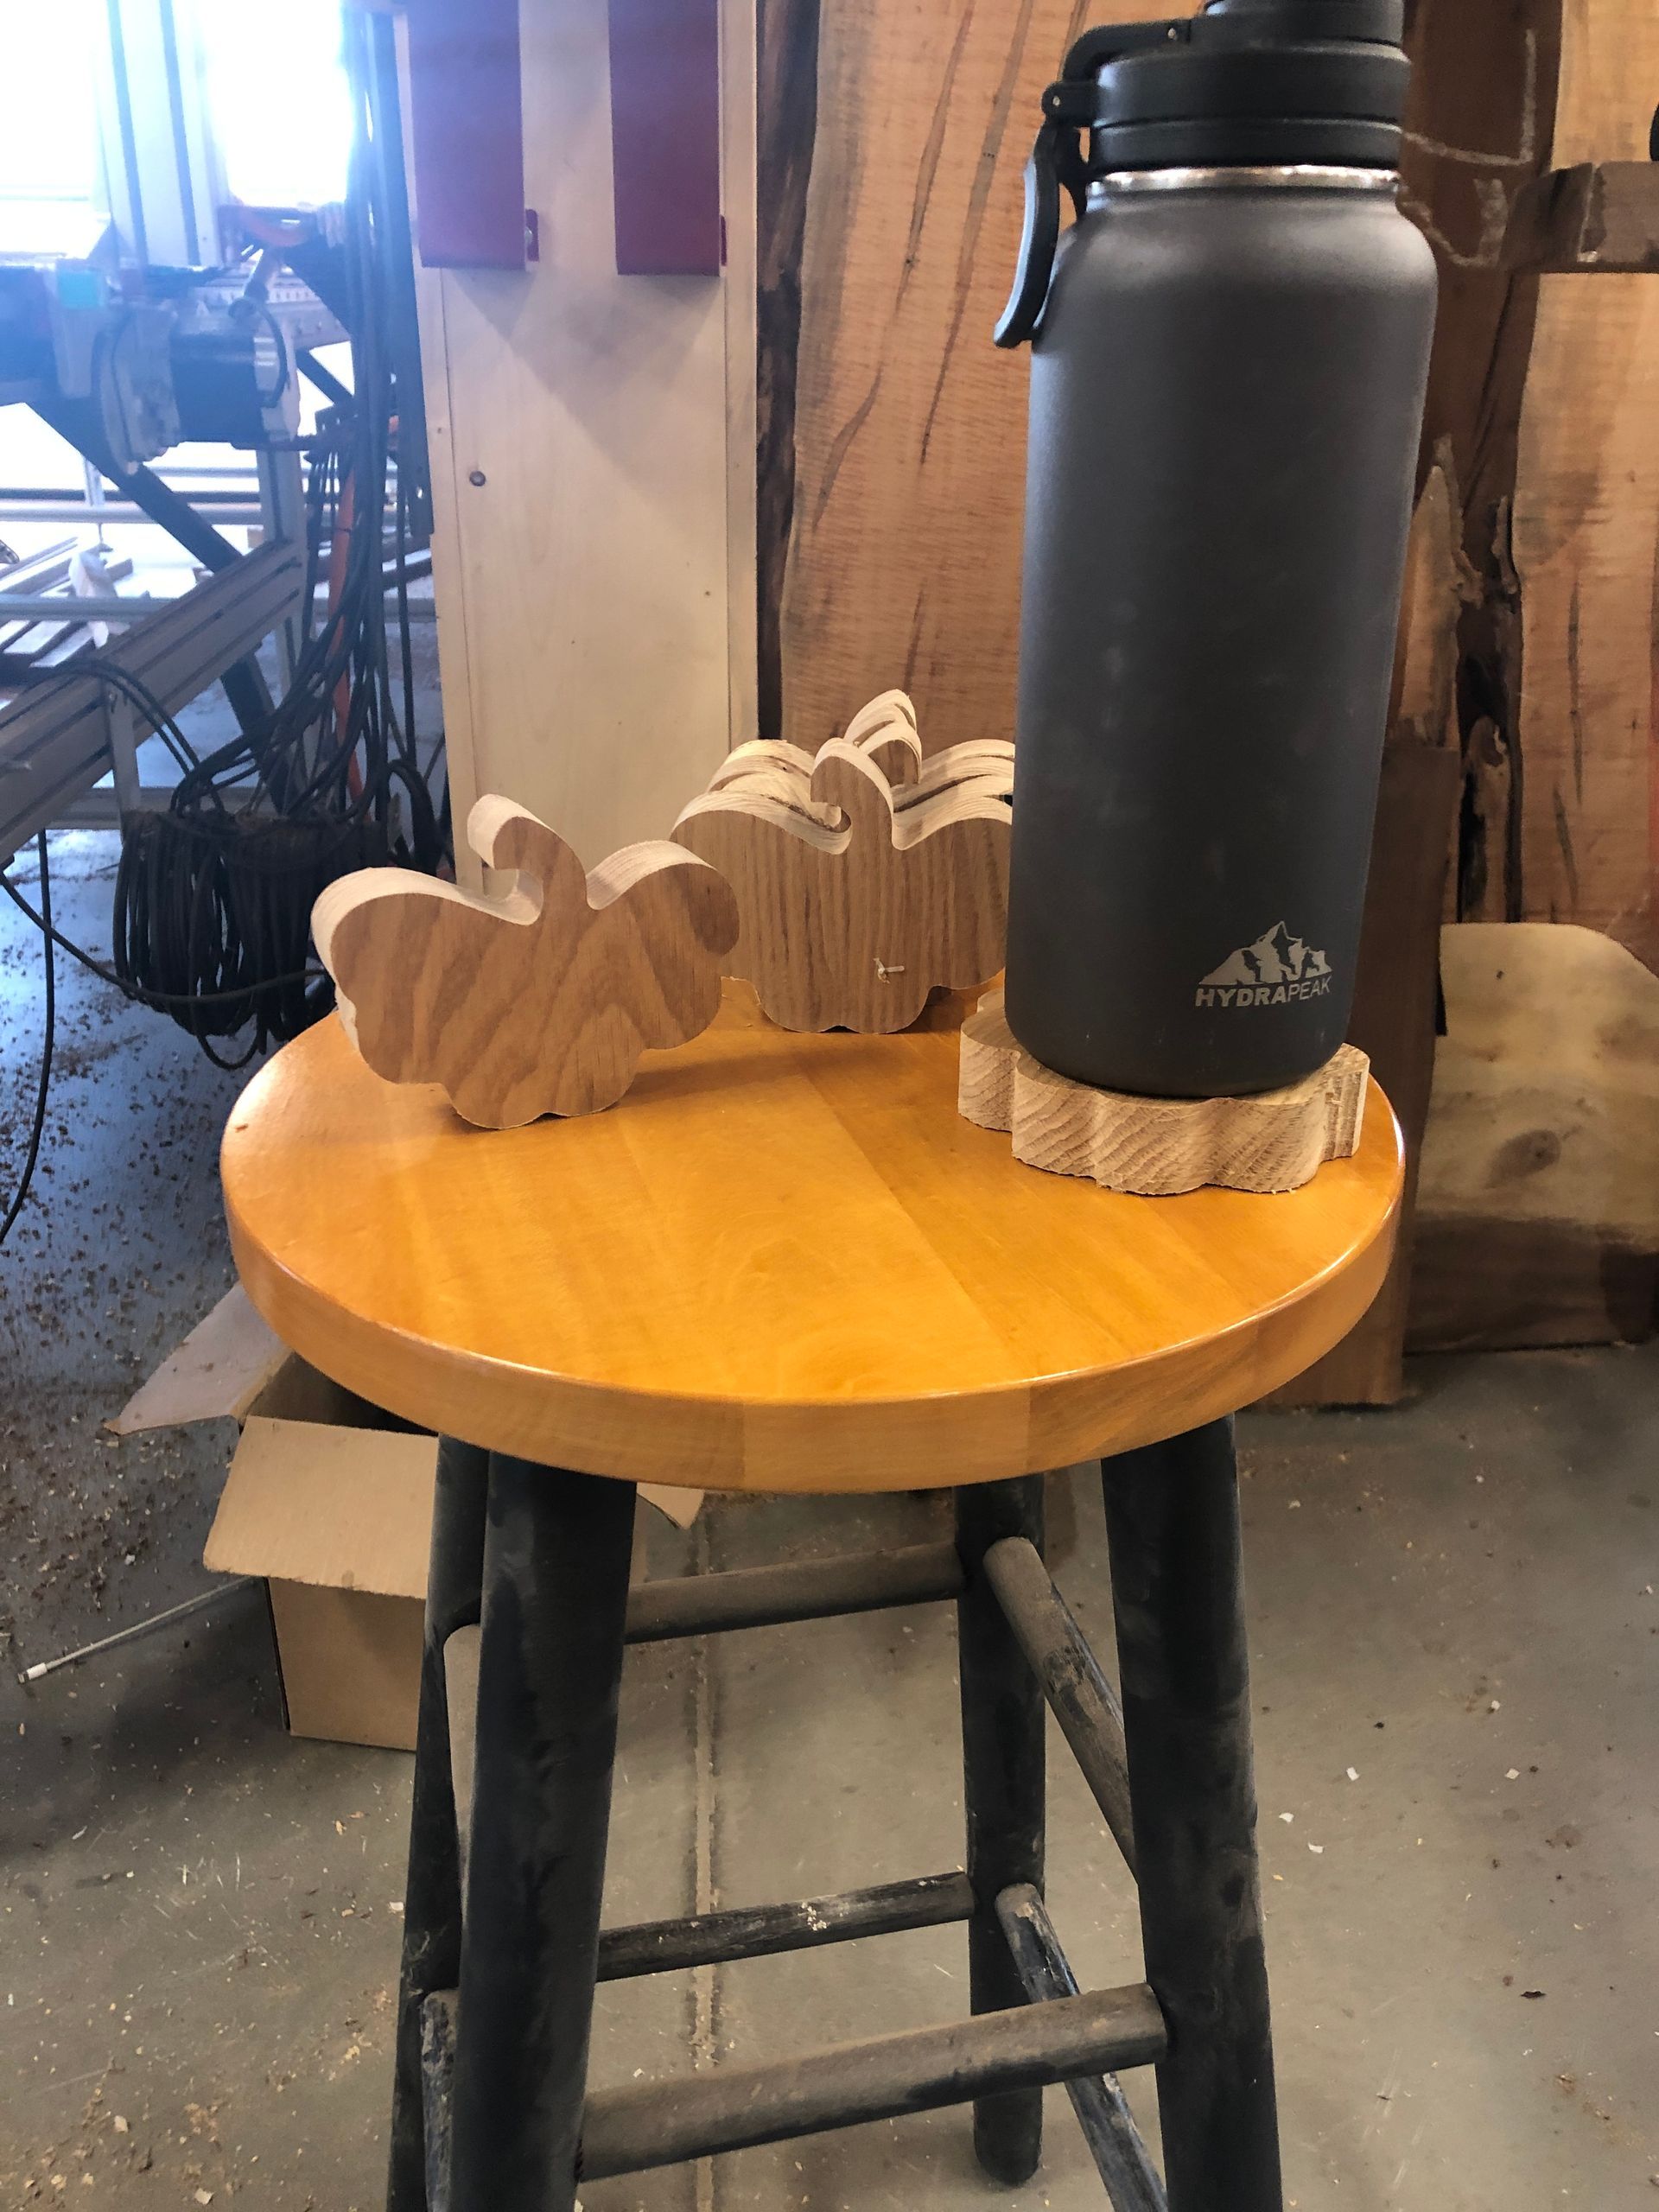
{"x": 1547, "y": 387}
{"x": 1538, "y": 1205}
{"x": 892, "y": 433}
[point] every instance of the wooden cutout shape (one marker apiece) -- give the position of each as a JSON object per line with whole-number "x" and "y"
{"x": 857, "y": 898}
{"x": 539, "y": 1002}
{"x": 885, "y": 730}
{"x": 1156, "y": 1148}
{"x": 885, "y": 727}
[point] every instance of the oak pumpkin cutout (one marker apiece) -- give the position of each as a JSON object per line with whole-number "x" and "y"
{"x": 867, "y": 876}
{"x": 539, "y": 1002}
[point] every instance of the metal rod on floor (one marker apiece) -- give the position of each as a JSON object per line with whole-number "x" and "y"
{"x": 1122, "y": 2160}
{"x": 67, "y": 606}
{"x": 195, "y": 1604}
{"x": 126, "y": 512}
{"x": 70, "y": 607}
{"x": 1080, "y": 1695}
{"x": 663, "y": 2123}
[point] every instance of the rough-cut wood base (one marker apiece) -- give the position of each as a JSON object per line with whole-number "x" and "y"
{"x": 1156, "y": 1148}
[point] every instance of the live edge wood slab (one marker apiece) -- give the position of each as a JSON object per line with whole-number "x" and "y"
{"x": 1154, "y": 1148}
{"x": 788, "y": 1264}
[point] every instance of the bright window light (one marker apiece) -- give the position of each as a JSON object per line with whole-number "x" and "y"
{"x": 277, "y": 93}
{"x": 48, "y": 127}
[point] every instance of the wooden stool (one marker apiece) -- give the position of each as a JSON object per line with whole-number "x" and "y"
{"x": 786, "y": 1263}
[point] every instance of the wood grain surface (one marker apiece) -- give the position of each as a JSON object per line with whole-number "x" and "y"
{"x": 1395, "y": 993}
{"x": 906, "y": 427}
{"x": 858, "y": 896}
{"x": 1156, "y": 1147}
{"x": 1478, "y": 125}
{"x": 539, "y": 1002}
{"x": 1547, "y": 387}
{"x": 885, "y": 730}
{"x": 1586, "y": 531}
{"x": 1439, "y": 584}
{"x": 788, "y": 1264}
{"x": 1392, "y": 1022}
{"x": 1600, "y": 217}
{"x": 1538, "y": 1207}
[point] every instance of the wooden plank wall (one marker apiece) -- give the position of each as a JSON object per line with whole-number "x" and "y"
{"x": 588, "y": 660}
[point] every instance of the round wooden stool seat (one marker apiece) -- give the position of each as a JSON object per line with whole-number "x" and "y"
{"x": 783, "y": 1263}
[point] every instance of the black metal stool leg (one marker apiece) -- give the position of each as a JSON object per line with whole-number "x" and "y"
{"x": 432, "y": 1892}
{"x": 1003, "y": 1722}
{"x": 1171, "y": 1516}
{"x": 556, "y": 1591}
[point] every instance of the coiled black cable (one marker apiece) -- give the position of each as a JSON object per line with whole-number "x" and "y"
{"x": 37, "y": 1124}
{"x": 213, "y": 898}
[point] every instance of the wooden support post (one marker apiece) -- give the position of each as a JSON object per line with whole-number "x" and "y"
{"x": 1004, "y": 1783}
{"x": 1172, "y": 1519}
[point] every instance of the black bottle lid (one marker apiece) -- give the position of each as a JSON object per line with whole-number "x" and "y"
{"x": 1244, "y": 83}
{"x": 1268, "y": 82}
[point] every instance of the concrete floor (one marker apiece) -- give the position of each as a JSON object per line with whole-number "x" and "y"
{"x": 200, "y": 1929}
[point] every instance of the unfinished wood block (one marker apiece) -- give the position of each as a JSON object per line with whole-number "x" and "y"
{"x": 858, "y": 894}
{"x": 1273, "y": 1140}
{"x": 537, "y": 1003}
{"x": 1538, "y": 1211}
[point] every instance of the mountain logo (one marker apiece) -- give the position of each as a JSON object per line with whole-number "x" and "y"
{"x": 1277, "y": 970}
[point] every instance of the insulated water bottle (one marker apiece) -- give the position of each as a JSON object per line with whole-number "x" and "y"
{"x": 1229, "y": 353}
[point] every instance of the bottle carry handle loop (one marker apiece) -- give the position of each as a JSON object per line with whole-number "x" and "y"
{"x": 1058, "y": 159}
{"x": 1307, "y": 74}
{"x": 1055, "y": 161}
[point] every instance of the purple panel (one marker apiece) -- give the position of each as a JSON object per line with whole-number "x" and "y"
{"x": 665, "y": 136}
{"x": 467, "y": 126}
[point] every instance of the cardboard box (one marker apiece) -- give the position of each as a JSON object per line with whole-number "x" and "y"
{"x": 329, "y": 1501}
{"x": 337, "y": 1519}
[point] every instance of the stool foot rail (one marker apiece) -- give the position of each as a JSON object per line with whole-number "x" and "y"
{"x": 757, "y": 1931}
{"x": 660, "y": 2124}
{"x": 764, "y": 1597}
{"x": 665, "y": 2123}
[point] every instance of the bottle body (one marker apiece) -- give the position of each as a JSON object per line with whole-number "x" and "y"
{"x": 1226, "y": 393}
